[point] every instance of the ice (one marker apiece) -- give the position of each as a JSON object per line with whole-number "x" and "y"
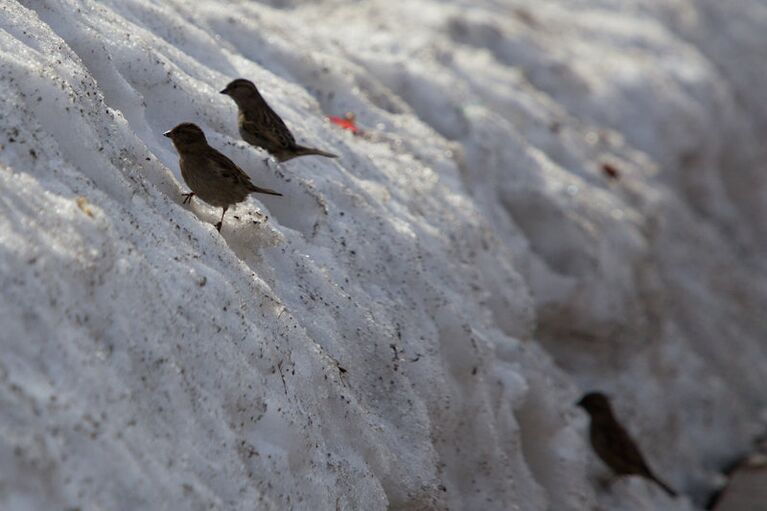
{"x": 410, "y": 325}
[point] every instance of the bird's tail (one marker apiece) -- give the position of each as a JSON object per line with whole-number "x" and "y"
{"x": 268, "y": 191}
{"x": 668, "y": 489}
{"x": 305, "y": 151}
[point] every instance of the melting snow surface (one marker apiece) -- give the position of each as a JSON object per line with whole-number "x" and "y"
{"x": 548, "y": 198}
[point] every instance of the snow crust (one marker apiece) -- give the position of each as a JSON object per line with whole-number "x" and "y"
{"x": 410, "y": 326}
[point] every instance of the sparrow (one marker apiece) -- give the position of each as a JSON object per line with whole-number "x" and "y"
{"x": 212, "y": 176}
{"x": 260, "y": 126}
{"x": 612, "y": 442}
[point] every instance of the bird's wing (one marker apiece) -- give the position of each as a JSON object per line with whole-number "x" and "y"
{"x": 630, "y": 459}
{"x": 257, "y": 131}
{"x": 228, "y": 169}
{"x": 272, "y": 127}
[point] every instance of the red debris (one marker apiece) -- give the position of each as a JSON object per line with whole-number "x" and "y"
{"x": 610, "y": 171}
{"x": 346, "y": 122}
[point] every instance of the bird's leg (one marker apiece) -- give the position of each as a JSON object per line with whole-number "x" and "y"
{"x": 221, "y": 222}
{"x": 187, "y": 197}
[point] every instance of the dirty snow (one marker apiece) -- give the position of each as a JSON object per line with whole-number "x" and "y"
{"x": 550, "y": 197}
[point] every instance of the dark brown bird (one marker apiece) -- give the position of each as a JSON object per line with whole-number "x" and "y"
{"x": 612, "y": 442}
{"x": 261, "y": 126}
{"x": 212, "y": 176}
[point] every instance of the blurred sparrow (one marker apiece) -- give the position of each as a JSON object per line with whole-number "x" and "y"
{"x": 261, "y": 126}
{"x": 212, "y": 176}
{"x": 612, "y": 442}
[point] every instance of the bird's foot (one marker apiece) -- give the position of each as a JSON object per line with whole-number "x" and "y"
{"x": 218, "y": 226}
{"x": 187, "y": 197}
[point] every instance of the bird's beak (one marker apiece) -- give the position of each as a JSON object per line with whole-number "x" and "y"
{"x": 166, "y": 134}
{"x": 223, "y": 92}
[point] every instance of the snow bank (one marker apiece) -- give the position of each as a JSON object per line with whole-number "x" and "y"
{"x": 410, "y": 325}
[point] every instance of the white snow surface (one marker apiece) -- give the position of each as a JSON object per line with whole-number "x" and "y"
{"x": 409, "y": 327}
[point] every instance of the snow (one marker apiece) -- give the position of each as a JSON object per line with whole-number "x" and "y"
{"x": 410, "y": 326}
